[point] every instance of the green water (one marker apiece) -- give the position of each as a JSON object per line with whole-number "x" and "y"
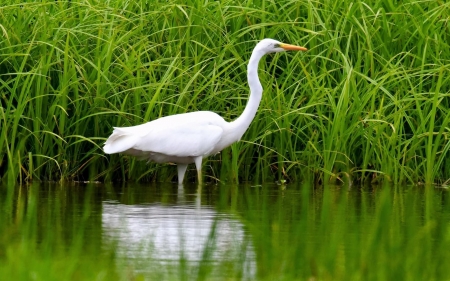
{"x": 163, "y": 232}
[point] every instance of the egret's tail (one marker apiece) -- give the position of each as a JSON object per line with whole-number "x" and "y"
{"x": 119, "y": 141}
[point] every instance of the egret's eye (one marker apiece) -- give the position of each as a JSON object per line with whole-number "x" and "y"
{"x": 276, "y": 45}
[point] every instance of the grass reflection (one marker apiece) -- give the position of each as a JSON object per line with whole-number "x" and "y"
{"x": 339, "y": 234}
{"x": 96, "y": 232}
{"x": 52, "y": 232}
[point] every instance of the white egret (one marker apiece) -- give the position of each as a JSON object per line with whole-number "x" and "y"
{"x": 189, "y": 137}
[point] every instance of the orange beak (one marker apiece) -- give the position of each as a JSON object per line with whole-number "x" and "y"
{"x": 288, "y": 47}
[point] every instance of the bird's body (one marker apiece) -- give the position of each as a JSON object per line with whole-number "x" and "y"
{"x": 200, "y": 133}
{"x": 189, "y": 137}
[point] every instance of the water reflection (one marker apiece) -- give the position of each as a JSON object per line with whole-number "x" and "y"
{"x": 160, "y": 232}
{"x": 183, "y": 230}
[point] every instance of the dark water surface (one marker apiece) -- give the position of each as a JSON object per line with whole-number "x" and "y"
{"x": 221, "y": 232}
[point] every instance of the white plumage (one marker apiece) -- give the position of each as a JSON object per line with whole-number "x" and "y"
{"x": 189, "y": 137}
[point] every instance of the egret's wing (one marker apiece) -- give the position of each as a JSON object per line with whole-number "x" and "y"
{"x": 189, "y": 134}
{"x": 120, "y": 141}
{"x": 186, "y": 139}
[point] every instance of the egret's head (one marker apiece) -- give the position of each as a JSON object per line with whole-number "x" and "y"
{"x": 274, "y": 46}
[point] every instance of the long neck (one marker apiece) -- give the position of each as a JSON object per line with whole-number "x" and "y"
{"x": 241, "y": 124}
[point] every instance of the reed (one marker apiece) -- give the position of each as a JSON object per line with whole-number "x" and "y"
{"x": 368, "y": 102}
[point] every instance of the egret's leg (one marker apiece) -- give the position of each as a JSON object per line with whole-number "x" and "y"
{"x": 180, "y": 194}
{"x": 198, "y": 165}
{"x": 198, "y": 198}
{"x": 181, "y": 171}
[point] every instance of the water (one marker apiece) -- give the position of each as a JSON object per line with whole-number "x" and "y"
{"x": 270, "y": 232}
{"x": 180, "y": 226}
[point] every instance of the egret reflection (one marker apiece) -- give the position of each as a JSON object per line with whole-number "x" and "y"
{"x": 186, "y": 231}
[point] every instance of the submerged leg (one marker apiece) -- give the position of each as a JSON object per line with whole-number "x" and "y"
{"x": 198, "y": 165}
{"x": 198, "y": 197}
{"x": 181, "y": 171}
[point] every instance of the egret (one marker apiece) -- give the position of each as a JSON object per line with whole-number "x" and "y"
{"x": 190, "y": 137}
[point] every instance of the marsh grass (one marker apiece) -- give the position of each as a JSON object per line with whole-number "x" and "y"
{"x": 368, "y": 102}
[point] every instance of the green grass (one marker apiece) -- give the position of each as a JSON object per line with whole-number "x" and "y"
{"x": 368, "y": 102}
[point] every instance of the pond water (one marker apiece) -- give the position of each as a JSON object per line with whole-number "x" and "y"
{"x": 223, "y": 232}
